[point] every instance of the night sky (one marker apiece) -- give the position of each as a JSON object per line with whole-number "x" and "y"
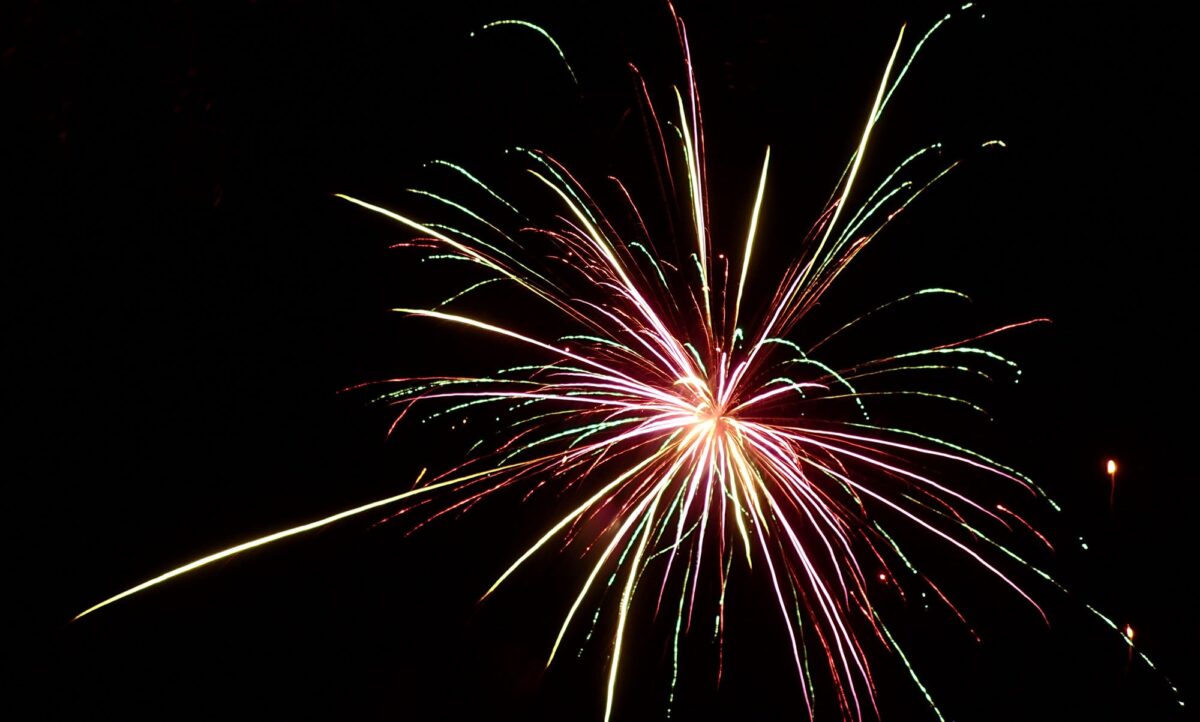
{"x": 190, "y": 299}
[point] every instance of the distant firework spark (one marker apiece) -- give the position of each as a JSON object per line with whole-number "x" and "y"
{"x": 686, "y": 434}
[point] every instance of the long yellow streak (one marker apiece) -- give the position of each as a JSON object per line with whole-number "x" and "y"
{"x": 261, "y": 541}
{"x": 203, "y": 561}
{"x": 474, "y": 254}
{"x": 627, "y": 594}
{"x": 460, "y": 247}
{"x": 691, "y": 150}
{"x": 801, "y": 279}
{"x": 426, "y": 229}
{"x": 862, "y": 149}
{"x": 762, "y": 184}
{"x": 634, "y": 384}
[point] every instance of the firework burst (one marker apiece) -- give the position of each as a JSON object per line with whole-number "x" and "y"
{"x": 691, "y": 433}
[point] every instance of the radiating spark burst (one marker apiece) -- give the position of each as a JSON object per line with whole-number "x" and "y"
{"x": 691, "y": 441}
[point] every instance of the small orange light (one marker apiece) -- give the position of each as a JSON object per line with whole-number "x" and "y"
{"x": 1111, "y": 467}
{"x": 1129, "y": 632}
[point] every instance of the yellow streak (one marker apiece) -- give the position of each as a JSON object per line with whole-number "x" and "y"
{"x": 862, "y": 149}
{"x": 203, "y": 561}
{"x": 814, "y": 263}
{"x": 426, "y": 229}
{"x": 762, "y": 184}
{"x": 520, "y": 337}
{"x": 627, "y": 594}
{"x": 261, "y": 541}
{"x": 691, "y": 151}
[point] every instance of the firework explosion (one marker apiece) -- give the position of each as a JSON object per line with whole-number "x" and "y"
{"x": 691, "y": 433}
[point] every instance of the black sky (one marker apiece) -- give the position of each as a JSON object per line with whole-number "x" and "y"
{"x": 189, "y": 298}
